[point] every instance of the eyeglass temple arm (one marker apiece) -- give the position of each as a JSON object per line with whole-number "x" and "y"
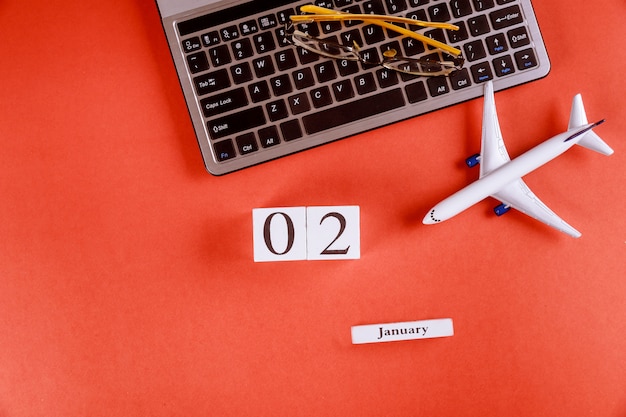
{"x": 378, "y": 20}
{"x": 328, "y": 14}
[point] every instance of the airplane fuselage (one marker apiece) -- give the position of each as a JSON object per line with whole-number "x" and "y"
{"x": 500, "y": 177}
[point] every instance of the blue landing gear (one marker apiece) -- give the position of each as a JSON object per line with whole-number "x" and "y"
{"x": 501, "y": 209}
{"x": 473, "y": 160}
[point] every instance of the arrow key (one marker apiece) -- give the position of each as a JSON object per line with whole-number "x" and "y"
{"x": 481, "y": 72}
{"x": 503, "y": 66}
{"x": 525, "y": 59}
{"x": 496, "y": 44}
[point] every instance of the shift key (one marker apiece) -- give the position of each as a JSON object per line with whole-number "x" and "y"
{"x": 236, "y": 122}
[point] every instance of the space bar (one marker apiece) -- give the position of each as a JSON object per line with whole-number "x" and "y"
{"x": 351, "y": 112}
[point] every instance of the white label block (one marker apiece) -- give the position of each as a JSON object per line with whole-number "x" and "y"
{"x": 394, "y": 332}
{"x": 279, "y": 234}
{"x": 333, "y": 232}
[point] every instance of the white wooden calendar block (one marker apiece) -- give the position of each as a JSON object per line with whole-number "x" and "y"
{"x": 333, "y": 232}
{"x": 279, "y": 234}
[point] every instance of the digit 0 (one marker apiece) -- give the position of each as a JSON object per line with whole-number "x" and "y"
{"x": 267, "y": 233}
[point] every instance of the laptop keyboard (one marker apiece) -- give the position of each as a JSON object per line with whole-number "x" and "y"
{"x": 253, "y": 96}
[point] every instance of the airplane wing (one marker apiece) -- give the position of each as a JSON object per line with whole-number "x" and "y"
{"x": 520, "y": 197}
{"x": 493, "y": 153}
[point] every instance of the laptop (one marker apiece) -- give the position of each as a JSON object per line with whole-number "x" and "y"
{"x": 253, "y": 95}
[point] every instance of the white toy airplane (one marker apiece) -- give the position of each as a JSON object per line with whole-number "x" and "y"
{"x": 501, "y": 177}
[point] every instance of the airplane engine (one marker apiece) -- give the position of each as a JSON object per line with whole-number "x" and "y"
{"x": 473, "y": 160}
{"x": 501, "y": 209}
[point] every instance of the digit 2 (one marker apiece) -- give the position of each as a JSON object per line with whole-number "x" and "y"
{"x": 342, "y": 228}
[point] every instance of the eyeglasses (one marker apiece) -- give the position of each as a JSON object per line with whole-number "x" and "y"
{"x": 391, "y": 60}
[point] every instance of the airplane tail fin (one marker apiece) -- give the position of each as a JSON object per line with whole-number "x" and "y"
{"x": 590, "y": 140}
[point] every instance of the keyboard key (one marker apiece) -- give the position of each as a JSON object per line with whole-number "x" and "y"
{"x": 285, "y": 60}
{"x": 496, "y": 44}
{"x": 353, "y": 111}
{"x": 373, "y": 34}
{"x": 306, "y": 57}
{"x": 281, "y": 85}
{"x": 503, "y": 66}
{"x": 242, "y": 49}
{"x": 373, "y": 7}
{"x": 220, "y": 55}
{"x": 437, "y": 86}
{"x": 343, "y": 90}
{"x": 365, "y": 83}
{"x": 417, "y": 15}
{"x": 460, "y": 8}
{"x": 350, "y": 37}
{"x": 283, "y": 16}
{"x": 518, "y": 37}
{"x": 460, "y": 79}
{"x": 269, "y": 136}
{"x": 224, "y": 102}
{"x": 525, "y": 59}
{"x": 387, "y": 78}
{"x": 211, "y": 38}
{"x": 436, "y": 34}
{"x": 478, "y": 25}
{"x": 277, "y": 110}
{"x": 263, "y": 66}
{"x": 211, "y": 82}
{"x": 370, "y": 55}
{"x": 506, "y": 17}
{"x": 197, "y": 62}
{"x": 246, "y": 143}
{"x": 299, "y": 103}
{"x": 439, "y": 13}
{"x": 241, "y": 73}
{"x": 303, "y": 78}
{"x": 325, "y": 71}
{"x": 268, "y": 21}
{"x": 264, "y": 42}
{"x": 329, "y": 27}
{"x": 396, "y": 6}
{"x": 248, "y": 28}
{"x": 347, "y": 67}
{"x": 229, "y": 33}
{"x": 259, "y": 91}
{"x": 192, "y": 44}
{"x": 224, "y": 150}
{"x": 481, "y": 5}
{"x": 412, "y": 46}
{"x": 416, "y": 92}
{"x": 321, "y": 97}
{"x": 474, "y": 51}
{"x": 481, "y": 72}
{"x": 460, "y": 35}
{"x": 236, "y": 122}
{"x": 291, "y": 130}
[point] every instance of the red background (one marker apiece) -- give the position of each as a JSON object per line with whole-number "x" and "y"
{"x": 127, "y": 282}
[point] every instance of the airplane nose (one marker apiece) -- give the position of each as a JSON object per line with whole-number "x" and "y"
{"x": 430, "y": 218}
